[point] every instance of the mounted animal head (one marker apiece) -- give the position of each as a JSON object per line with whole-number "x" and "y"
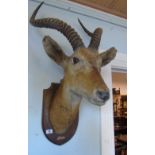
{"x": 82, "y": 78}
{"x": 82, "y": 68}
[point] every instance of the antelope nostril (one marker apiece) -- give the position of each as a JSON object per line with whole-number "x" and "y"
{"x": 103, "y": 95}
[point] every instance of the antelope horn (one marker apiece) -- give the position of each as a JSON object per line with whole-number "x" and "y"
{"x": 95, "y": 37}
{"x": 60, "y": 26}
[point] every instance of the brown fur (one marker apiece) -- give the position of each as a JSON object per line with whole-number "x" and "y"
{"x": 80, "y": 80}
{"x": 64, "y": 109}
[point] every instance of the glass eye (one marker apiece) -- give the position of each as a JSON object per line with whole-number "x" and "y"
{"x": 75, "y": 60}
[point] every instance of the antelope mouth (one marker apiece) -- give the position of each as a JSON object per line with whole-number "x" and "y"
{"x": 97, "y": 101}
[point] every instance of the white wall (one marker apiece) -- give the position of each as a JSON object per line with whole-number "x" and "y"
{"x": 43, "y": 71}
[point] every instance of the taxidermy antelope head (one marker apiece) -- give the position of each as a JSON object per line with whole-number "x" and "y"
{"x": 81, "y": 78}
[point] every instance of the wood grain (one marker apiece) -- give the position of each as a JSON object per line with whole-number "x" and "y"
{"x": 115, "y": 7}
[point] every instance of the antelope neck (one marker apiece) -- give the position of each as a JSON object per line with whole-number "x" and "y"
{"x": 64, "y": 109}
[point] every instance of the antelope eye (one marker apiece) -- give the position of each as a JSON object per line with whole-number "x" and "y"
{"x": 75, "y": 60}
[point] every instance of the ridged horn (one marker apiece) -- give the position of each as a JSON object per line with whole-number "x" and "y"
{"x": 60, "y": 26}
{"x": 95, "y": 36}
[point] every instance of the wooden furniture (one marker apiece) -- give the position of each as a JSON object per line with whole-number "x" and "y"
{"x": 122, "y": 138}
{"x": 122, "y": 149}
{"x": 120, "y": 122}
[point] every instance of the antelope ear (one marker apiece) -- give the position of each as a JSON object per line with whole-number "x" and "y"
{"x": 107, "y": 56}
{"x": 54, "y": 51}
